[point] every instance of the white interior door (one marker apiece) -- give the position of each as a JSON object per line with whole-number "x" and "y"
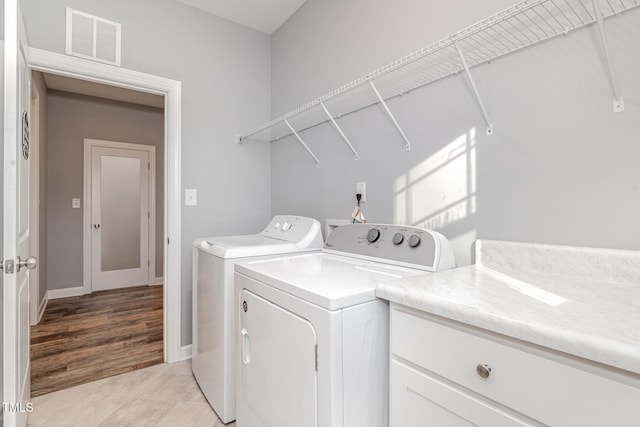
{"x": 16, "y": 385}
{"x": 120, "y": 217}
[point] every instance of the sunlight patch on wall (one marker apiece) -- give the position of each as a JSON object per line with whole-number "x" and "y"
{"x": 441, "y": 190}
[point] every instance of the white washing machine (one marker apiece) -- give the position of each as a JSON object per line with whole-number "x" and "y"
{"x": 313, "y": 339}
{"x": 213, "y": 362}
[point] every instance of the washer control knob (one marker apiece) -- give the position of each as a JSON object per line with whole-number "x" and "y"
{"x": 398, "y": 238}
{"x": 277, "y": 225}
{"x": 414, "y": 240}
{"x": 286, "y": 226}
{"x": 373, "y": 235}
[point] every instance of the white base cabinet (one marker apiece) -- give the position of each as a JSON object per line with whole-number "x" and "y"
{"x": 443, "y": 373}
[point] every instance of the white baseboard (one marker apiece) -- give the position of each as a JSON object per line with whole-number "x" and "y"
{"x": 185, "y": 352}
{"x": 65, "y": 292}
{"x": 158, "y": 281}
{"x": 43, "y": 306}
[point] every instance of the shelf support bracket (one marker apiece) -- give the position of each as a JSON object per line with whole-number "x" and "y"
{"x": 344, "y": 137}
{"x": 407, "y": 145}
{"x": 474, "y": 88}
{"x": 618, "y": 102}
{"x": 306, "y": 147}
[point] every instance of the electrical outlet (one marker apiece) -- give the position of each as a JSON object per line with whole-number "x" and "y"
{"x": 190, "y": 197}
{"x": 361, "y": 188}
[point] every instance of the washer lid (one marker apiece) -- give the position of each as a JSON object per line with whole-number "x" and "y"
{"x": 284, "y": 234}
{"x": 244, "y": 246}
{"x": 327, "y": 280}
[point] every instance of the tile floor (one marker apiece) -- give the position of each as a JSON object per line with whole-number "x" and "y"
{"x": 158, "y": 396}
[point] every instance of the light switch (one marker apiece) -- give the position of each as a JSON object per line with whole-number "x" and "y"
{"x": 190, "y": 197}
{"x": 75, "y": 203}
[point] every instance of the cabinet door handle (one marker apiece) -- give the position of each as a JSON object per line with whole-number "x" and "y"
{"x": 483, "y": 370}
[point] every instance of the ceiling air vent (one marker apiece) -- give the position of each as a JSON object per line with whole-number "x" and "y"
{"x": 92, "y": 37}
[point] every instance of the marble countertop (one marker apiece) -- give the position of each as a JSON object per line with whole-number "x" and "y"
{"x": 581, "y": 301}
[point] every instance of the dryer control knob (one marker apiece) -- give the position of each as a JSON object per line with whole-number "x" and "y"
{"x": 286, "y": 226}
{"x": 277, "y": 225}
{"x": 373, "y": 235}
{"x": 414, "y": 240}
{"x": 398, "y": 238}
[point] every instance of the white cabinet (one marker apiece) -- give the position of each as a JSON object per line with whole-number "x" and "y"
{"x": 437, "y": 379}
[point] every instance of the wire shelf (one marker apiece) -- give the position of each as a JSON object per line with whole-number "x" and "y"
{"x": 522, "y": 25}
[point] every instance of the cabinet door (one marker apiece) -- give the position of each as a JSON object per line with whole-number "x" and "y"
{"x": 278, "y": 376}
{"x": 419, "y": 400}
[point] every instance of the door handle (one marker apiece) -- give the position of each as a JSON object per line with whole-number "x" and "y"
{"x": 30, "y": 263}
{"x": 96, "y": 226}
{"x": 246, "y": 349}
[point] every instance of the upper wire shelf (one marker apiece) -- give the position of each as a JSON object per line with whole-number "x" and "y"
{"x": 515, "y": 28}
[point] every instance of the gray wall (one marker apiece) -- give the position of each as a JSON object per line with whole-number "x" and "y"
{"x": 37, "y": 80}
{"x": 72, "y": 118}
{"x": 560, "y": 168}
{"x": 225, "y": 73}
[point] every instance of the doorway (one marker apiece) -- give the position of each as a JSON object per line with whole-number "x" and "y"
{"x": 120, "y": 331}
{"x": 50, "y": 62}
{"x": 119, "y": 215}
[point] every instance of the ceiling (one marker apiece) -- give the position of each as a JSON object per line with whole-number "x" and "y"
{"x": 261, "y": 15}
{"x": 98, "y": 90}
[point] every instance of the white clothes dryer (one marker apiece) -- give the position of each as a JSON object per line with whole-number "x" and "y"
{"x": 313, "y": 339}
{"x": 213, "y": 363}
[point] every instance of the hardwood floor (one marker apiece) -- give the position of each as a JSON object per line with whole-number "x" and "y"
{"x": 90, "y": 337}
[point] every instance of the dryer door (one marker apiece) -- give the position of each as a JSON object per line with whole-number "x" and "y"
{"x": 278, "y": 376}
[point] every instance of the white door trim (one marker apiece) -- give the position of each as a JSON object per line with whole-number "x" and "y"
{"x": 89, "y": 144}
{"x": 55, "y": 63}
{"x": 34, "y": 205}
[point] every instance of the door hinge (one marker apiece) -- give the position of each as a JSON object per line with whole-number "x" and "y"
{"x": 148, "y": 214}
{"x": 148, "y": 263}
{"x": 148, "y": 166}
{"x": 316, "y": 357}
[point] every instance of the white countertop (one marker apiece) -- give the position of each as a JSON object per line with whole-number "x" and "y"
{"x": 556, "y": 297}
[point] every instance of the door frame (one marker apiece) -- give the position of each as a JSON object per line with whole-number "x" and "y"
{"x": 34, "y": 204}
{"x": 69, "y": 66}
{"x": 87, "y": 234}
